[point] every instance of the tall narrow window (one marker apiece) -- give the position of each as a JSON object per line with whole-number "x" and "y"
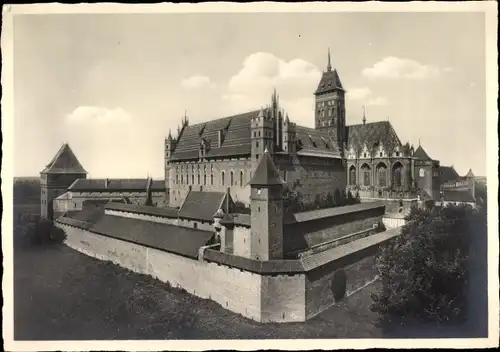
{"x": 222, "y": 176}
{"x": 199, "y": 176}
{"x": 352, "y": 176}
{"x": 284, "y": 176}
{"x": 204, "y": 179}
{"x": 382, "y": 174}
{"x": 192, "y": 179}
{"x": 232, "y": 178}
{"x": 182, "y": 179}
{"x": 241, "y": 178}
{"x": 366, "y": 175}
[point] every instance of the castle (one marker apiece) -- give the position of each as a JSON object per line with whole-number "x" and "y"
{"x": 367, "y": 158}
{"x": 268, "y": 263}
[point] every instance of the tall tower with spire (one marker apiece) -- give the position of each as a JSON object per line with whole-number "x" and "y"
{"x": 170, "y": 144}
{"x": 329, "y": 110}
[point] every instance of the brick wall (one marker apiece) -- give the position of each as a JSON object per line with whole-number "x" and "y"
{"x": 239, "y": 192}
{"x": 314, "y": 175}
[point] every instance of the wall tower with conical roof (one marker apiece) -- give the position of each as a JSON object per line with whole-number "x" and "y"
{"x": 58, "y": 175}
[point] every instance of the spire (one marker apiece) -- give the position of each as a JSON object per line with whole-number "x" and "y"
{"x": 329, "y": 65}
{"x": 364, "y": 115}
{"x": 169, "y": 134}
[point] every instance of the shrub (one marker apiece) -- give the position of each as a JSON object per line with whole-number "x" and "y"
{"x": 43, "y": 231}
{"x": 424, "y": 271}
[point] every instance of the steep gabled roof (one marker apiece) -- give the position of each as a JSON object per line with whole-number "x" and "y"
{"x": 469, "y": 174}
{"x": 372, "y": 134}
{"x": 236, "y": 140}
{"x": 421, "y": 154}
{"x": 315, "y": 142}
{"x": 448, "y": 173}
{"x": 266, "y": 173}
{"x": 64, "y": 162}
{"x": 330, "y": 81}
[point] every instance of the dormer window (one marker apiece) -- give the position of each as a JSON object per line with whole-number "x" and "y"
{"x": 381, "y": 154}
{"x": 364, "y": 155}
{"x": 397, "y": 153}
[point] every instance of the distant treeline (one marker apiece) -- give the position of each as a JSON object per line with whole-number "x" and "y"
{"x": 26, "y": 190}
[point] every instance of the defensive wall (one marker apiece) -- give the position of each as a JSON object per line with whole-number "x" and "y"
{"x": 289, "y": 290}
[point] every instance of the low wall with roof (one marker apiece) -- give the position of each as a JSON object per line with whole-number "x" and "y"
{"x": 269, "y": 291}
{"x": 310, "y": 229}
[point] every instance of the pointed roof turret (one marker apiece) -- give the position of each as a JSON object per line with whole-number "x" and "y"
{"x": 364, "y": 115}
{"x": 169, "y": 137}
{"x": 421, "y": 154}
{"x": 330, "y": 80}
{"x": 266, "y": 173}
{"x": 64, "y": 162}
{"x": 470, "y": 174}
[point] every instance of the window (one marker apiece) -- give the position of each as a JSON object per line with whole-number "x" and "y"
{"x": 284, "y": 176}
{"x": 222, "y": 176}
{"x": 204, "y": 179}
{"x": 241, "y": 178}
{"x": 366, "y": 175}
{"x": 380, "y": 154}
{"x": 259, "y": 133}
{"x": 192, "y": 179}
{"x": 329, "y": 112}
{"x": 211, "y": 179}
{"x": 352, "y": 176}
{"x": 382, "y": 182}
{"x": 195, "y": 225}
{"x": 397, "y": 153}
{"x": 421, "y": 172}
{"x": 231, "y": 175}
{"x": 364, "y": 155}
{"x": 255, "y": 134}
{"x": 198, "y": 176}
{"x": 257, "y": 156}
{"x": 182, "y": 179}
{"x": 397, "y": 175}
{"x": 257, "y": 144}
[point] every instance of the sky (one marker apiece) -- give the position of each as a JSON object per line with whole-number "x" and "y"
{"x": 113, "y": 85}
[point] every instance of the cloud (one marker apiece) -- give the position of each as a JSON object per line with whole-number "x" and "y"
{"x": 359, "y": 93}
{"x": 295, "y": 81}
{"x": 378, "y": 101}
{"x": 393, "y": 67}
{"x": 197, "y": 82}
{"x": 110, "y": 139}
{"x": 365, "y": 94}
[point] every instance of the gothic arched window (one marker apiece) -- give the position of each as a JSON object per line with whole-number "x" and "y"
{"x": 352, "y": 176}
{"x": 382, "y": 175}
{"x": 397, "y": 173}
{"x": 366, "y": 171}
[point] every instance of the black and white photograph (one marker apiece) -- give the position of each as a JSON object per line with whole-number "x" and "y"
{"x": 250, "y": 176}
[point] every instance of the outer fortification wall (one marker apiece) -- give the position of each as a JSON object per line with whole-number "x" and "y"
{"x": 269, "y": 291}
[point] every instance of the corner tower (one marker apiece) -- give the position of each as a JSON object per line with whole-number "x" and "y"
{"x": 266, "y": 206}
{"x": 58, "y": 175}
{"x": 329, "y": 110}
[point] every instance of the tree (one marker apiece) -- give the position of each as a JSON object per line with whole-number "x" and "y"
{"x": 337, "y": 197}
{"x": 42, "y": 231}
{"x": 424, "y": 271}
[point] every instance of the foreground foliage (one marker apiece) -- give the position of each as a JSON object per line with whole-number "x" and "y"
{"x": 425, "y": 271}
{"x": 38, "y": 231}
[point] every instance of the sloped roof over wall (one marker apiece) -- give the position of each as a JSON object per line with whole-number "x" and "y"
{"x": 458, "y": 196}
{"x": 202, "y": 205}
{"x": 99, "y": 185}
{"x": 266, "y": 173}
{"x": 64, "y": 162}
{"x": 316, "y": 143}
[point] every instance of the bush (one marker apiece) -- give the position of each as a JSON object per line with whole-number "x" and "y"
{"x": 424, "y": 271}
{"x": 43, "y": 231}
